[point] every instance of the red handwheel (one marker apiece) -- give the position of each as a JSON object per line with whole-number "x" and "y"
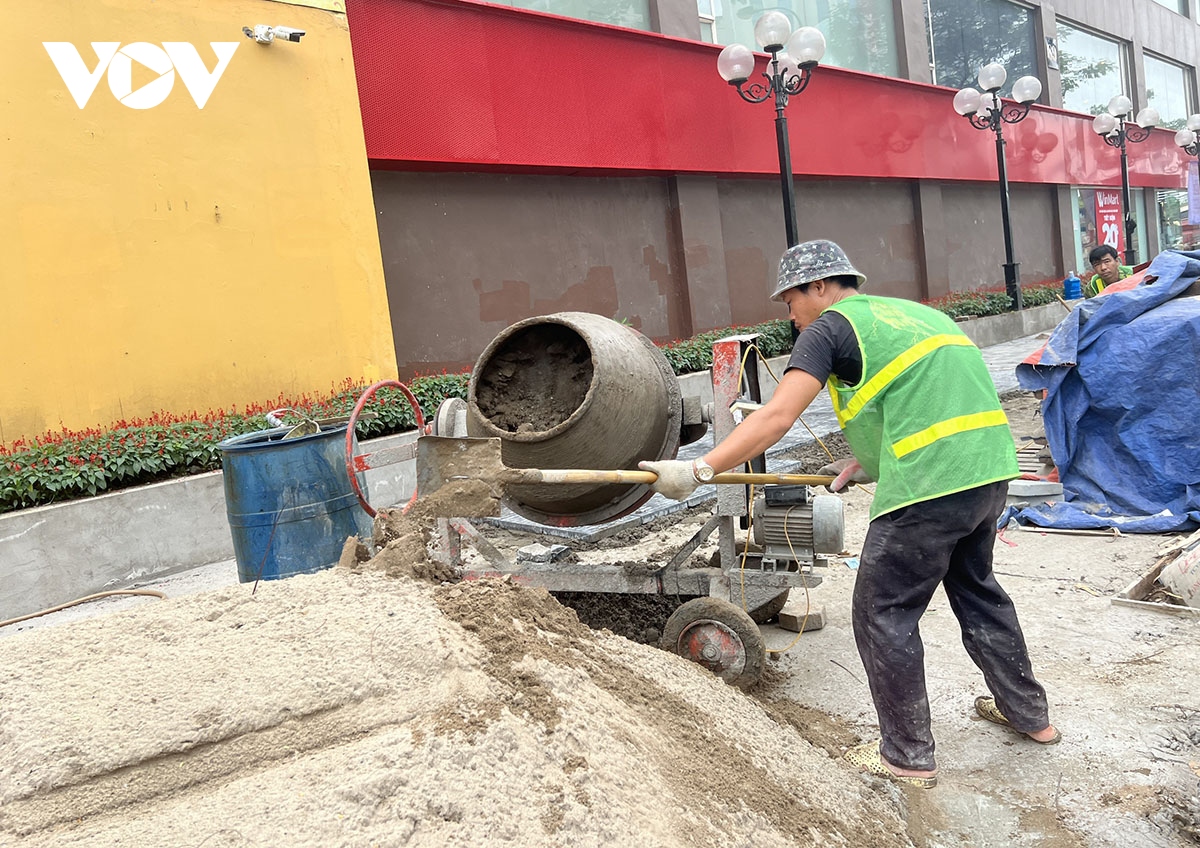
{"x": 358, "y": 463}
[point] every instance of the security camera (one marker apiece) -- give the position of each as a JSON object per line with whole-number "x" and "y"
{"x": 264, "y": 34}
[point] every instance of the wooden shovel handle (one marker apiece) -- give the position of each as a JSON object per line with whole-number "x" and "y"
{"x": 781, "y": 479}
{"x": 579, "y": 475}
{"x": 585, "y": 475}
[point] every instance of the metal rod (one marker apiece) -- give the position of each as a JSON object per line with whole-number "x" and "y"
{"x": 1130, "y": 250}
{"x": 1012, "y": 274}
{"x": 785, "y": 177}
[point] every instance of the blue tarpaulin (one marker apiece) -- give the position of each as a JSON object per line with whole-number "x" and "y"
{"x": 1122, "y": 407}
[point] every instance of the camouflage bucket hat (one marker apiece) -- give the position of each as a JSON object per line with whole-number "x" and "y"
{"x": 811, "y": 261}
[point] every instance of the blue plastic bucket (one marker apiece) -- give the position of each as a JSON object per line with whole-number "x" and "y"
{"x": 289, "y": 502}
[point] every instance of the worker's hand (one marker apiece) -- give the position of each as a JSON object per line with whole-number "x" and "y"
{"x": 844, "y": 472}
{"x": 676, "y": 477}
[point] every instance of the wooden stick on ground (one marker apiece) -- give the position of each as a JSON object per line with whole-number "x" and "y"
{"x": 1111, "y": 532}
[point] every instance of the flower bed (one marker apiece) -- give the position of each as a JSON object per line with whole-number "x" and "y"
{"x": 994, "y": 301}
{"x": 69, "y": 464}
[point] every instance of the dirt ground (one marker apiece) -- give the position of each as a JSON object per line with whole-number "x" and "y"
{"x": 1121, "y": 683}
{"x": 361, "y": 706}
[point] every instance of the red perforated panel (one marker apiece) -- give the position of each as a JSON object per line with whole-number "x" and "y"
{"x": 463, "y": 85}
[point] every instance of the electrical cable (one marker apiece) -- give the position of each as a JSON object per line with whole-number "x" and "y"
{"x": 807, "y": 597}
{"x": 746, "y": 546}
{"x": 799, "y": 418}
{"x": 786, "y": 535}
{"x": 84, "y": 600}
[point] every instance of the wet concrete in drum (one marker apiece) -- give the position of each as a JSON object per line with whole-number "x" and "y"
{"x": 535, "y": 380}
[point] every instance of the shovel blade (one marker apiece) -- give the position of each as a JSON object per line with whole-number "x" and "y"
{"x": 452, "y": 473}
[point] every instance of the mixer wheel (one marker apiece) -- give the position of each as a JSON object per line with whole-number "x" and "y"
{"x": 770, "y": 609}
{"x": 719, "y": 636}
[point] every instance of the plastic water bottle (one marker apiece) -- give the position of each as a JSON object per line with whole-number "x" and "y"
{"x": 1072, "y": 287}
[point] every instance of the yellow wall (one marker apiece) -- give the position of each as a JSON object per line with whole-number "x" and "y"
{"x": 174, "y": 257}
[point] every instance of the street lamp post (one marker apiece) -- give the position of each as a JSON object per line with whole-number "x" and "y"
{"x": 986, "y": 111}
{"x": 1111, "y": 127}
{"x": 794, "y": 55}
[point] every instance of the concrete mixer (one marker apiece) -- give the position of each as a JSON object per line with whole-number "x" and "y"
{"x": 580, "y": 391}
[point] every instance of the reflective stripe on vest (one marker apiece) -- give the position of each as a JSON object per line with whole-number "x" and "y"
{"x": 889, "y": 372}
{"x": 942, "y": 429}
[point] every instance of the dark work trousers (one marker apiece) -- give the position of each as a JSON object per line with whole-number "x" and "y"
{"x": 906, "y": 555}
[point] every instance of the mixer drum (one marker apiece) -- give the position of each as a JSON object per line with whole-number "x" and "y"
{"x": 575, "y": 390}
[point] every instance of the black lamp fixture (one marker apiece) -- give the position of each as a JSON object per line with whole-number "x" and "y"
{"x": 1111, "y": 127}
{"x": 1188, "y": 138}
{"x": 987, "y": 111}
{"x": 794, "y": 56}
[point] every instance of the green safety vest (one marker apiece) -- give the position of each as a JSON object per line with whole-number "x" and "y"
{"x": 924, "y": 420}
{"x": 1096, "y": 285}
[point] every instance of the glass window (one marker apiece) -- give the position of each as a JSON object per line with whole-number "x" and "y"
{"x": 1179, "y": 6}
{"x": 1168, "y": 89}
{"x": 1096, "y": 214}
{"x": 634, "y": 14}
{"x": 965, "y": 35}
{"x": 859, "y": 34}
{"x": 1178, "y": 216}
{"x": 1093, "y": 69}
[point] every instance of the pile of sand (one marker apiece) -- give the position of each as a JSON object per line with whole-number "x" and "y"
{"x": 354, "y": 708}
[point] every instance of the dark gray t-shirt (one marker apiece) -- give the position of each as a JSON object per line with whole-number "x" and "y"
{"x": 828, "y": 346}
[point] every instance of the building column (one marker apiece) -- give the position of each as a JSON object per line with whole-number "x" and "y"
{"x": 912, "y": 40}
{"x": 1045, "y": 27}
{"x": 1150, "y": 206}
{"x": 931, "y": 239}
{"x": 1137, "y": 76}
{"x": 1066, "y": 235}
{"x": 700, "y": 252}
{"x": 675, "y": 17}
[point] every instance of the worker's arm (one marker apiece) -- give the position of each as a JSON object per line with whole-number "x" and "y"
{"x": 766, "y": 426}
{"x": 761, "y": 429}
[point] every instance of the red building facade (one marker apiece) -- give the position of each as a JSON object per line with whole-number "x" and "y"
{"x": 526, "y": 163}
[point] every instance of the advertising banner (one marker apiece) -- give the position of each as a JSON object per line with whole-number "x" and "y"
{"x": 1108, "y": 217}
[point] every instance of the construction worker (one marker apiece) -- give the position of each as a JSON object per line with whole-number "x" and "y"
{"x": 920, "y": 412}
{"x": 1103, "y": 259}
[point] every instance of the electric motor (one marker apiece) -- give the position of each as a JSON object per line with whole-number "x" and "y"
{"x": 791, "y": 523}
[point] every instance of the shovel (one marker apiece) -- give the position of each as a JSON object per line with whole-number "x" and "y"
{"x": 441, "y": 459}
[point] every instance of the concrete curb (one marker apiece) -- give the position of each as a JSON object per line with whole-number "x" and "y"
{"x": 53, "y": 554}
{"x": 995, "y": 329}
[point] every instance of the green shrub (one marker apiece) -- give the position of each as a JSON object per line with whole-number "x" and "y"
{"x": 993, "y": 301}
{"x": 695, "y": 354}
